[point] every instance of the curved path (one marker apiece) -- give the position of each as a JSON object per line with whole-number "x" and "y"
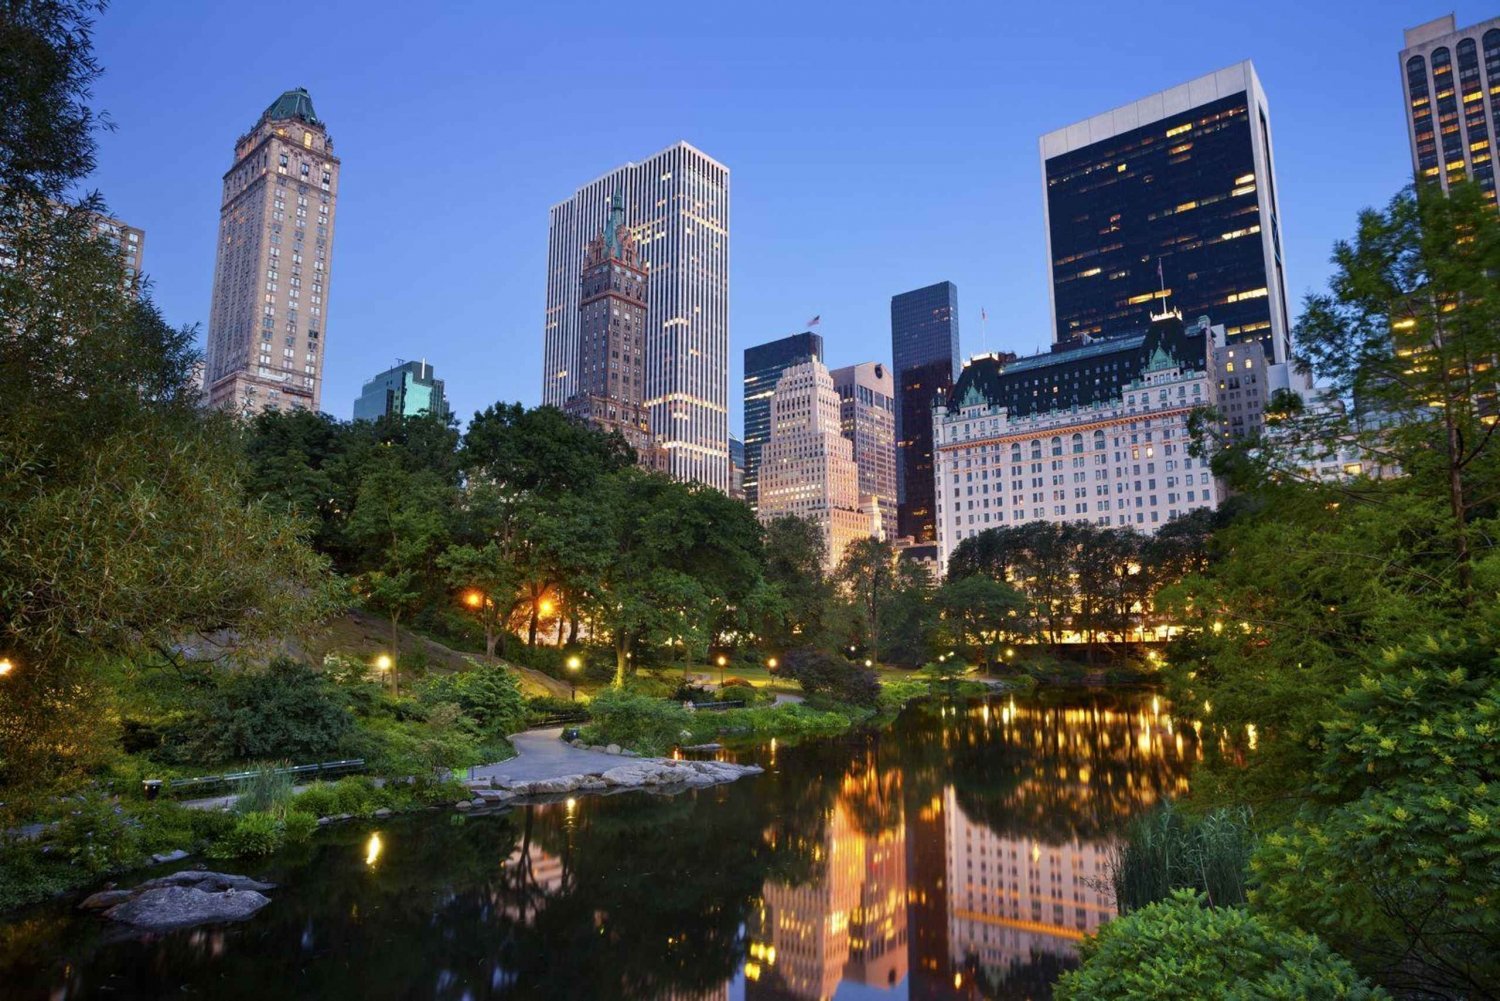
{"x": 541, "y": 754}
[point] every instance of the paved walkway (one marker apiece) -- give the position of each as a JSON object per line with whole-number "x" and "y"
{"x": 541, "y": 754}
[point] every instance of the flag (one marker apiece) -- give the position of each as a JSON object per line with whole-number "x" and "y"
{"x": 815, "y": 320}
{"x": 1159, "y": 276}
{"x": 983, "y": 316}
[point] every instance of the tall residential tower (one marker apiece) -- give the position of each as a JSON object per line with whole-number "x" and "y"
{"x": 764, "y": 364}
{"x": 924, "y": 353}
{"x": 867, "y": 417}
{"x": 677, "y": 211}
{"x": 1173, "y": 196}
{"x": 267, "y": 323}
{"x": 1451, "y": 79}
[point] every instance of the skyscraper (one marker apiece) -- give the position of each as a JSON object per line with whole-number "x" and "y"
{"x": 677, "y": 210}
{"x": 131, "y": 242}
{"x": 267, "y": 323}
{"x": 764, "y": 364}
{"x": 407, "y": 389}
{"x": 611, "y": 337}
{"x": 867, "y": 417}
{"x": 1171, "y": 196}
{"x": 807, "y": 466}
{"x": 924, "y": 353}
{"x": 1457, "y": 137}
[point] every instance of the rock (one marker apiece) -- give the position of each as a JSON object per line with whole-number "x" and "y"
{"x": 476, "y": 801}
{"x": 105, "y": 899}
{"x": 202, "y": 879}
{"x": 463, "y": 804}
{"x": 631, "y": 754}
{"x": 164, "y": 908}
{"x": 382, "y": 813}
{"x": 324, "y": 821}
{"x": 612, "y": 749}
{"x": 496, "y": 795}
{"x": 173, "y": 856}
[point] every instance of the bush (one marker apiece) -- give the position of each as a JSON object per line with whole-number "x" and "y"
{"x": 289, "y": 710}
{"x": 821, "y": 673}
{"x": 639, "y": 722}
{"x": 490, "y": 696}
{"x": 252, "y": 834}
{"x": 658, "y": 688}
{"x": 97, "y": 835}
{"x": 298, "y": 826}
{"x": 1177, "y": 948}
{"x": 1165, "y": 851}
{"x": 542, "y": 706}
{"x": 742, "y": 692}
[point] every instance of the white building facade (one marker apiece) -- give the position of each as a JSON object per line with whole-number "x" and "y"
{"x": 807, "y": 466}
{"x": 867, "y": 416}
{"x": 1098, "y": 433}
{"x": 677, "y": 211}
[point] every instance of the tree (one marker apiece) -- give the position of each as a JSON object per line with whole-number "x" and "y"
{"x": 1181, "y": 949}
{"x": 822, "y": 673}
{"x": 123, "y": 527}
{"x": 1403, "y": 836}
{"x": 794, "y": 567}
{"x": 984, "y": 614}
{"x": 1406, "y": 337}
{"x": 869, "y": 577}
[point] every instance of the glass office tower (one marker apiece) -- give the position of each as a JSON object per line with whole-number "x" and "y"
{"x": 408, "y": 389}
{"x": 924, "y": 356}
{"x": 764, "y": 364}
{"x": 1171, "y": 198}
{"x": 1445, "y": 69}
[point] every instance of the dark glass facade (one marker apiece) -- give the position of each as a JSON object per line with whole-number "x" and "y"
{"x": 925, "y": 359}
{"x": 764, "y": 364}
{"x": 1447, "y": 78}
{"x": 1175, "y": 203}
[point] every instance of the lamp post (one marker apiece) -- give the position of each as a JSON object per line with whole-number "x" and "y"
{"x": 6, "y": 666}
{"x": 574, "y": 663}
{"x": 722, "y": 661}
{"x": 385, "y": 664}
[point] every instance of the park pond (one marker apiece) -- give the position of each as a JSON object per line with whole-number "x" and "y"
{"x": 960, "y": 852}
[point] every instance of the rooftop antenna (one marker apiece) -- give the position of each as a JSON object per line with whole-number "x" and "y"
{"x": 984, "y": 326}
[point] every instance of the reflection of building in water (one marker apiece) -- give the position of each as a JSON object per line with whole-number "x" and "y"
{"x": 1012, "y": 898}
{"x": 531, "y": 874}
{"x": 849, "y": 921}
{"x": 719, "y": 994}
{"x": 927, "y": 900}
{"x": 802, "y": 942}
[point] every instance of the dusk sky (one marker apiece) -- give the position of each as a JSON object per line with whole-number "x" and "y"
{"x": 873, "y": 148}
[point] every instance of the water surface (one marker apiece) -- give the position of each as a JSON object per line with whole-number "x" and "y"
{"x": 958, "y": 853}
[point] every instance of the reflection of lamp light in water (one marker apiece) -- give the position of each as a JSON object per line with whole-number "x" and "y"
{"x": 372, "y": 849}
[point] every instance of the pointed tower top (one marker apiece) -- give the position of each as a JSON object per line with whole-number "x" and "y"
{"x": 614, "y": 225}
{"x": 295, "y": 103}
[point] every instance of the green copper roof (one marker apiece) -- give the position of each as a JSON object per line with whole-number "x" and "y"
{"x": 292, "y": 104}
{"x": 612, "y": 228}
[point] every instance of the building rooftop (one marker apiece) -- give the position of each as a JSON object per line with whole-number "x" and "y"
{"x": 292, "y": 104}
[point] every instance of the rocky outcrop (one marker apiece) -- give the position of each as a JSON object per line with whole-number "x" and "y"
{"x": 642, "y": 773}
{"x": 182, "y": 900}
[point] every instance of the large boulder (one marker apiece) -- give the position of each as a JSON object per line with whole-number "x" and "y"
{"x": 203, "y": 879}
{"x": 165, "y": 908}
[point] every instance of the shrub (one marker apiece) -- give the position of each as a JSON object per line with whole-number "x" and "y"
{"x": 639, "y": 722}
{"x": 319, "y": 799}
{"x": 821, "y": 673}
{"x": 97, "y": 835}
{"x": 298, "y": 826}
{"x": 288, "y": 710}
{"x": 659, "y": 688}
{"x": 1165, "y": 851}
{"x": 542, "y": 706}
{"x": 1177, "y": 948}
{"x": 252, "y": 834}
{"x": 742, "y": 692}
{"x": 490, "y": 696}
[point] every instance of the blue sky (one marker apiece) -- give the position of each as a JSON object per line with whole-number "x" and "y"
{"x": 873, "y": 147}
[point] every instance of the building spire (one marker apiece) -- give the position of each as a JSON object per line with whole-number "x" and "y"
{"x": 612, "y": 240}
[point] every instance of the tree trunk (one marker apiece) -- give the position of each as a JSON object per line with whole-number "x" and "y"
{"x": 531, "y": 626}
{"x": 491, "y": 637}
{"x": 1457, "y": 505}
{"x": 395, "y": 656}
{"x": 621, "y": 642}
{"x": 572, "y": 624}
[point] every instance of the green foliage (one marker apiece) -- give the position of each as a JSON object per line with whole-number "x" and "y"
{"x": 268, "y": 790}
{"x": 287, "y": 710}
{"x": 97, "y": 835}
{"x": 640, "y": 722}
{"x": 833, "y": 677}
{"x": 298, "y": 826}
{"x": 1179, "y": 948}
{"x": 253, "y": 834}
{"x": 1166, "y": 850}
{"x": 1403, "y": 848}
{"x": 489, "y": 695}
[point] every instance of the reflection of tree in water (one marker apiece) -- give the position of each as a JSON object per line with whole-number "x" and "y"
{"x": 1028, "y": 980}
{"x": 1058, "y": 773}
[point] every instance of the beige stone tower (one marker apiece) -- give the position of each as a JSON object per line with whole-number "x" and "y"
{"x": 807, "y": 466}
{"x": 268, "y": 322}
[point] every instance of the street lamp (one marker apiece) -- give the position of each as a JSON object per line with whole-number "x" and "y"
{"x": 6, "y": 666}
{"x": 573, "y": 665}
{"x": 384, "y": 663}
{"x": 473, "y": 599}
{"x": 722, "y": 661}
{"x": 771, "y": 663}
{"x": 545, "y": 607}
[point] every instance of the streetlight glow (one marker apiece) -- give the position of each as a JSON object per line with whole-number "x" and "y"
{"x": 383, "y": 662}
{"x": 574, "y": 663}
{"x": 6, "y": 666}
{"x": 473, "y": 599}
{"x": 771, "y": 663}
{"x": 546, "y": 606}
